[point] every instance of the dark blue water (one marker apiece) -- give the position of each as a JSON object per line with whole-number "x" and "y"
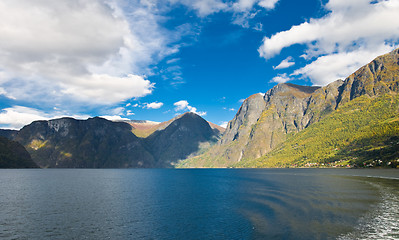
{"x": 199, "y": 204}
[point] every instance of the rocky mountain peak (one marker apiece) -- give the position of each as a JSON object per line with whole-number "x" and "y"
{"x": 290, "y": 90}
{"x": 247, "y": 115}
{"x": 380, "y": 76}
{"x": 180, "y": 138}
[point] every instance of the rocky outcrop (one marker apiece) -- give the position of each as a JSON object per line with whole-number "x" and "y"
{"x": 263, "y": 121}
{"x": 376, "y": 78}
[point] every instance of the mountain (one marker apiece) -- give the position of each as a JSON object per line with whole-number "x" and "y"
{"x": 99, "y": 143}
{"x": 264, "y": 122}
{"x": 362, "y": 132}
{"x": 9, "y": 134}
{"x": 14, "y": 155}
{"x": 185, "y": 135}
{"x": 92, "y": 143}
{"x": 143, "y": 128}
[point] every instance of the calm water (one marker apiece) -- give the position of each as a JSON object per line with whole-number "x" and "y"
{"x": 199, "y": 204}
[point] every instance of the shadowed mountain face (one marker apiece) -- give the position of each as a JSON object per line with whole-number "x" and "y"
{"x": 14, "y": 155}
{"x": 99, "y": 143}
{"x": 93, "y": 143}
{"x": 264, "y": 122}
{"x": 182, "y": 137}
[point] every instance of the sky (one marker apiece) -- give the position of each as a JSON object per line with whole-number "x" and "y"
{"x": 155, "y": 59}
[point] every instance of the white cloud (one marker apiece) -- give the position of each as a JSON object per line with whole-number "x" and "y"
{"x": 18, "y": 116}
{"x": 208, "y": 7}
{"x": 102, "y": 88}
{"x": 246, "y": 5}
{"x": 173, "y": 60}
{"x": 232, "y": 109}
{"x": 338, "y": 66}
{"x": 117, "y": 111}
{"x": 153, "y": 105}
{"x": 180, "y": 105}
{"x": 281, "y": 78}
{"x": 246, "y": 10}
{"x": 114, "y": 118}
{"x": 87, "y": 51}
{"x": 224, "y": 124}
{"x": 286, "y": 63}
{"x": 203, "y": 7}
{"x": 6, "y": 94}
{"x": 258, "y": 27}
{"x": 348, "y": 29}
{"x": 268, "y": 4}
{"x": 183, "y": 105}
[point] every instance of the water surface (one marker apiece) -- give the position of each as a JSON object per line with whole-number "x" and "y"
{"x": 199, "y": 204}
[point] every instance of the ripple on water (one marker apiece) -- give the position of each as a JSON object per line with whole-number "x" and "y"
{"x": 382, "y": 222}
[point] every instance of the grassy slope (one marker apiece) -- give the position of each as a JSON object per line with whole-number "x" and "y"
{"x": 361, "y": 131}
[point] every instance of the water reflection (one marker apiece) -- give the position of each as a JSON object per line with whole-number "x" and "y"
{"x": 310, "y": 206}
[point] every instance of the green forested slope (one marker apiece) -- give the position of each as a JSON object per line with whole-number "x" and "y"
{"x": 364, "y": 131}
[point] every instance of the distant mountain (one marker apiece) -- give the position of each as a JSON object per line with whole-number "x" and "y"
{"x": 185, "y": 135}
{"x": 143, "y": 128}
{"x": 7, "y": 133}
{"x": 92, "y": 143}
{"x": 14, "y": 155}
{"x": 99, "y": 143}
{"x": 264, "y": 123}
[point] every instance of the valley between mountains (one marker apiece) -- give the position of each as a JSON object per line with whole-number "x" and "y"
{"x": 352, "y": 122}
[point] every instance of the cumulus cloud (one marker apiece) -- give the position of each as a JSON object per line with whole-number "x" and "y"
{"x": 349, "y": 28}
{"x": 153, "y": 105}
{"x": 18, "y": 116}
{"x": 83, "y": 51}
{"x": 286, "y": 63}
{"x": 281, "y": 78}
{"x": 180, "y": 105}
{"x": 183, "y": 105}
{"x": 328, "y": 68}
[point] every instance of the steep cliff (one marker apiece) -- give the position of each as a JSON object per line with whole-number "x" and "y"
{"x": 262, "y": 124}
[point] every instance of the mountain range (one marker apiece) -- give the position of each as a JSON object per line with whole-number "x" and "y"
{"x": 352, "y": 122}
{"x": 99, "y": 143}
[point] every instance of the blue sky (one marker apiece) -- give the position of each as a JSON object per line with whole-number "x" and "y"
{"x": 154, "y": 59}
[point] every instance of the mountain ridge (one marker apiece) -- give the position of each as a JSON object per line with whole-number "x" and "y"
{"x": 100, "y": 143}
{"x": 287, "y": 109}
